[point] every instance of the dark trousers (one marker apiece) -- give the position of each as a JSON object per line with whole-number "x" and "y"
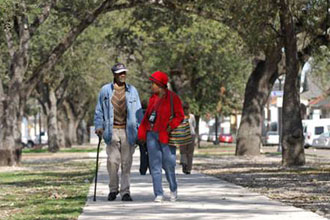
{"x": 144, "y": 160}
{"x": 187, "y": 154}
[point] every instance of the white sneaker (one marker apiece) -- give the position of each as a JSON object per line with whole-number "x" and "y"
{"x": 159, "y": 199}
{"x": 173, "y": 196}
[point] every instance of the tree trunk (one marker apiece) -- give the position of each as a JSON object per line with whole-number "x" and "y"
{"x": 53, "y": 143}
{"x": 12, "y": 103}
{"x": 70, "y": 124}
{"x": 10, "y": 144}
{"x": 72, "y": 130}
{"x": 61, "y": 130}
{"x": 82, "y": 133}
{"x": 292, "y": 131}
{"x": 257, "y": 92}
{"x": 2, "y": 111}
{"x": 197, "y": 117}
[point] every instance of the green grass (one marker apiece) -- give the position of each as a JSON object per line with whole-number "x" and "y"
{"x": 46, "y": 191}
{"x": 79, "y": 150}
{"x": 273, "y": 153}
{"x": 220, "y": 147}
{"x": 63, "y": 150}
{"x": 209, "y": 150}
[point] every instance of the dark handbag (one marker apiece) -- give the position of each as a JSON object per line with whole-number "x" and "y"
{"x": 181, "y": 135}
{"x": 144, "y": 158}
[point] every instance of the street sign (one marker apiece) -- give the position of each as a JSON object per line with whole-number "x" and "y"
{"x": 279, "y": 102}
{"x": 276, "y": 93}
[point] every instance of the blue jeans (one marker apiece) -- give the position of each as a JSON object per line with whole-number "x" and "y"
{"x": 161, "y": 156}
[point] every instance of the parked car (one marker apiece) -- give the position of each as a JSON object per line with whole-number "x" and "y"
{"x": 203, "y": 137}
{"x": 29, "y": 142}
{"x": 226, "y": 138}
{"x": 313, "y": 128}
{"x": 272, "y": 138}
{"x": 44, "y": 138}
{"x": 211, "y": 137}
{"x": 323, "y": 141}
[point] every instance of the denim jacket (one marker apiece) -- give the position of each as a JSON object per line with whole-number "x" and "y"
{"x": 103, "y": 116}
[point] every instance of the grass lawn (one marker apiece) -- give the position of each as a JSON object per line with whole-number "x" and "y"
{"x": 55, "y": 189}
{"x": 64, "y": 150}
{"x": 209, "y": 149}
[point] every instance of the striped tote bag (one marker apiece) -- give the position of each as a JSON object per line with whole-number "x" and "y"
{"x": 181, "y": 135}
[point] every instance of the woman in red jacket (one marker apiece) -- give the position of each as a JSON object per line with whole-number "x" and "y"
{"x": 154, "y": 130}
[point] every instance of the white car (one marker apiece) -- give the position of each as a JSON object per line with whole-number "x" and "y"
{"x": 31, "y": 141}
{"x": 27, "y": 142}
{"x": 323, "y": 141}
{"x": 313, "y": 128}
{"x": 203, "y": 137}
{"x": 272, "y": 138}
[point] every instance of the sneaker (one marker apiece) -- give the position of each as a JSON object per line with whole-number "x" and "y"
{"x": 173, "y": 196}
{"x": 112, "y": 196}
{"x": 159, "y": 199}
{"x": 126, "y": 197}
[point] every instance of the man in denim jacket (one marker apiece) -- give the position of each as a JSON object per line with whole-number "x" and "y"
{"x": 117, "y": 114}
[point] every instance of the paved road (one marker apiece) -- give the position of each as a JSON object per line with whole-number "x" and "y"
{"x": 200, "y": 198}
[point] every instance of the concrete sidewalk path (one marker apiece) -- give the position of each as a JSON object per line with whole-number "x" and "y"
{"x": 200, "y": 197}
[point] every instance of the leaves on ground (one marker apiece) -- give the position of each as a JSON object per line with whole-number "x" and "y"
{"x": 307, "y": 187}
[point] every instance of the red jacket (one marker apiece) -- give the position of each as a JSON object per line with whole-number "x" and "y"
{"x": 163, "y": 109}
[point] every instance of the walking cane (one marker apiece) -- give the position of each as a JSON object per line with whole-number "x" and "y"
{"x": 97, "y": 166}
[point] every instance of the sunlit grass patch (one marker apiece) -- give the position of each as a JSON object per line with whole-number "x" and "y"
{"x": 63, "y": 150}
{"x": 46, "y": 191}
{"x": 215, "y": 150}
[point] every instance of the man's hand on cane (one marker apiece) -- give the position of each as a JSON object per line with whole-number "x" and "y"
{"x": 99, "y": 132}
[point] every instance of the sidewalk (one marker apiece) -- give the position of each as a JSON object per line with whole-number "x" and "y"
{"x": 200, "y": 197}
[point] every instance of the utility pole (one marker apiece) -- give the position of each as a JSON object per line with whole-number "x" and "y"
{"x": 279, "y": 118}
{"x": 39, "y": 125}
{"x": 216, "y": 141}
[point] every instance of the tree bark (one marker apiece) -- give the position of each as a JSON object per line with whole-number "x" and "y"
{"x": 61, "y": 122}
{"x": 2, "y": 110}
{"x": 13, "y": 99}
{"x": 82, "y": 133}
{"x": 257, "y": 91}
{"x": 10, "y": 151}
{"x": 72, "y": 119}
{"x": 197, "y": 117}
{"x": 292, "y": 131}
{"x": 53, "y": 143}
{"x": 12, "y": 103}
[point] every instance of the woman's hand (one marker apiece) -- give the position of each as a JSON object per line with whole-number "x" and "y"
{"x": 141, "y": 142}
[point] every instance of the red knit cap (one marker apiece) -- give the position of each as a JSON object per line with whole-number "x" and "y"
{"x": 160, "y": 78}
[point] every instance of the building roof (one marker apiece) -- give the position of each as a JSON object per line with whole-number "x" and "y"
{"x": 313, "y": 91}
{"x": 320, "y": 102}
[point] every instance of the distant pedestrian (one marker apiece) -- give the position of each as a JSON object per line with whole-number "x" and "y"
{"x": 187, "y": 151}
{"x": 116, "y": 117}
{"x": 144, "y": 159}
{"x": 155, "y": 128}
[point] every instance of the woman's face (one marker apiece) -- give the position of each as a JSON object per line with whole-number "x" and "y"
{"x": 155, "y": 88}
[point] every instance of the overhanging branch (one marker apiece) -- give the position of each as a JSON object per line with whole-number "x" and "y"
{"x": 43, "y": 17}
{"x": 67, "y": 41}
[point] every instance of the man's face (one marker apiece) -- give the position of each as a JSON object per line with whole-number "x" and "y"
{"x": 120, "y": 77}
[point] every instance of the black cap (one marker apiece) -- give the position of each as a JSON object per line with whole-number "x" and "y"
{"x": 118, "y": 68}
